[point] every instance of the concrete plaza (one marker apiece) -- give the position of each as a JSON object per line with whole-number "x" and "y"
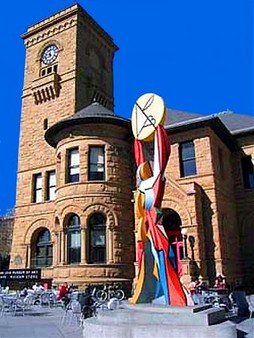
{"x": 40, "y": 322}
{"x": 45, "y": 322}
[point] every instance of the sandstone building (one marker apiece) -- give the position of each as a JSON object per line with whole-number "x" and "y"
{"x": 74, "y": 213}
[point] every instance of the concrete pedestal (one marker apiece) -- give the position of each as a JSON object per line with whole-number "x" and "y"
{"x": 159, "y": 321}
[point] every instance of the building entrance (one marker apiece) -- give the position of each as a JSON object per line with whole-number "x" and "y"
{"x": 172, "y": 225}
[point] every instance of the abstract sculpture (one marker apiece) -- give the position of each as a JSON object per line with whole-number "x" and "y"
{"x": 157, "y": 279}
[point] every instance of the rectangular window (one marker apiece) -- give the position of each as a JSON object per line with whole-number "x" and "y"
{"x": 98, "y": 246}
{"x": 96, "y": 163}
{"x": 73, "y": 165}
{"x": 74, "y": 247}
{"x": 51, "y": 185}
{"x": 187, "y": 159}
{"x": 248, "y": 172}
{"x": 55, "y": 68}
{"x": 37, "y": 188}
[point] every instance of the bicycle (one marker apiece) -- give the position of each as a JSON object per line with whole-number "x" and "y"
{"x": 109, "y": 292}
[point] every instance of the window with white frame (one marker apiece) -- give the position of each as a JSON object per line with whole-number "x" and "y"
{"x": 51, "y": 185}
{"x": 74, "y": 240}
{"x": 96, "y": 163}
{"x": 37, "y": 188}
{"x": 73, "y": 165}
{"x": 97, "y": 239}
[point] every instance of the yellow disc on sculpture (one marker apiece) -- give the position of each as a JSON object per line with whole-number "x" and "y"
{"x": 148, "y": 112}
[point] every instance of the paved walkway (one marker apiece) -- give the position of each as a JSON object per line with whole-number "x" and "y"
{"x": 44, "y": 322}
{"x": 39, "y": 322}
{"x": 245, "y": 327}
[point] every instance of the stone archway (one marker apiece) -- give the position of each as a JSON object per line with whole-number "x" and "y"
{"x": 172, "y": 223}
{"x": 178, "y": 206}
{"x": 171, "y": 220}
{"x": 31, "y": 236}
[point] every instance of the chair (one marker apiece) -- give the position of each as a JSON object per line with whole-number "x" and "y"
{"x": 28, "y": 301}
{"x": 7, "y": 305}
{"x": 45, "y": 299}
{"x": 4, "y": 307}
{"x": 250, "y": 300}
{"x": 75, "y": 311}
{"x": 19, "y": 306}
{"x": 65, "y": 314}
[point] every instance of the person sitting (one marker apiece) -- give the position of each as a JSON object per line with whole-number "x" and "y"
{"x": 196, "y": 288}
{"x": 24, "y": 292}
{"x": 87, "y": 300}
{"x": 193, "y": 291}
{"x": 220, "y": 281}
{"x": 201, "y": 285}
{"x": 35, "y": 287}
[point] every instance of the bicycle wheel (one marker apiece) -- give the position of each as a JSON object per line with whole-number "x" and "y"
{"x": 101, "y": 295}
{"x": 119, "y": 294}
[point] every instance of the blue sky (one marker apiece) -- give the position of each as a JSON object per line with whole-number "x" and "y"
{"x": 197, "y": 55}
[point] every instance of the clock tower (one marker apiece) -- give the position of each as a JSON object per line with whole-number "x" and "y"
{"x": 69, "y": 64}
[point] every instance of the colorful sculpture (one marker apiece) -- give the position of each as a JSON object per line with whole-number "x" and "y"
{"x": 157, "y": 277}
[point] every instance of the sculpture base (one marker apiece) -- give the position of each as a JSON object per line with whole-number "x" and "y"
{"x": 150, "y": 320}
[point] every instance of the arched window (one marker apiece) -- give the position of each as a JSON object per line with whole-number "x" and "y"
{"x": 43, "y": 250}
{"x": 73, "y": 239}
{"x": 97, "y": 238}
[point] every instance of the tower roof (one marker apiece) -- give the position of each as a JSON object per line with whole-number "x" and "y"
{"x": 93, "y": 110}
{"x": 94, "y": 113}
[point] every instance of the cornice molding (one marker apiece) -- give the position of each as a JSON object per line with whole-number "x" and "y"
{"x": 50, "y": 32}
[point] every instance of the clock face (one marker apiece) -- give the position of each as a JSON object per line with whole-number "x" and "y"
{"x": 49, "y": 55}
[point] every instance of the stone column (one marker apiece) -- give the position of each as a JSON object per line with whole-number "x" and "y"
{"x": 110, "y": 245}
{"x": 62, "y": 247}
{"x": 83, "y": 247}
{"x": 28, "y": 256}
{"x": 186, "y": 271}
{"x": 55, "y": 250}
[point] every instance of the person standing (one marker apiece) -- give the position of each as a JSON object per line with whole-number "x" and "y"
{"x": 63, "y": 295}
